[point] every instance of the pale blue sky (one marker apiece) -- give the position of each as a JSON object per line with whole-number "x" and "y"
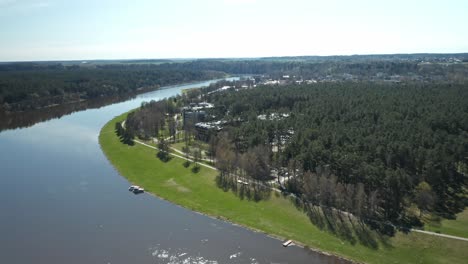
{"x": 115, "y": 29}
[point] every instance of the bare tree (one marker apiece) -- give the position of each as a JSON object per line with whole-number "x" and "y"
{"x": 196, "y": 152}
{"x": 424, "y": 196}
{"x": 163, "y": 153}
{"x": 172, "y": 128}
{"x": 213, "y": 145}
{"x": 359, "y": 200}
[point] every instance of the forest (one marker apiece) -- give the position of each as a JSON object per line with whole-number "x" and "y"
{"x": 387, "y": 153}
{"x": 34, "y": 85}
{"x": 364, "y": 68}
{"x": 25, "y": 86}
{"x": 391, "y": 147}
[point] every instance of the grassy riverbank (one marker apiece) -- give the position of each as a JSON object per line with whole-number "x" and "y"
{"x": 277, "y": 215}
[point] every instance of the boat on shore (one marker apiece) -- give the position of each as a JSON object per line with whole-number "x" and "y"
{"x": 136, "y": 189}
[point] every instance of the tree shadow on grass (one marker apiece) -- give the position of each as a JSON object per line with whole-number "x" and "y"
{"x": 124, "y": 136}
{"x": 223, "y": 182}
{"x": 125, "y": 139}
{"x": 243, "y": 192}
{"x": 261, "y": 192}
{"x": 365, "y": 235}
{"x": 186, "y": 164}
{"x": 196, "y": 168}
{"x": 252, "y": 191}
{"x": 163, "y": 156}
{"x": 346, "y": 227}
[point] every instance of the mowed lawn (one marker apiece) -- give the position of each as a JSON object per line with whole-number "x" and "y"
{"x": 277, "y": 215}
{"x": 457, "y": 227}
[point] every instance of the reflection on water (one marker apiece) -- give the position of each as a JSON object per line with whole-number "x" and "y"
{"x": 28, "y": 118}
{"x": 13, "y": 120}
{"x": 63, "y": 202}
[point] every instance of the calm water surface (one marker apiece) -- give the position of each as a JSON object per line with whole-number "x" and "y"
{"x": 63, "y": 202}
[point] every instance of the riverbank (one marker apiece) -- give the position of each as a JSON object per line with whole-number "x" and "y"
{"x": 276, "y": 216}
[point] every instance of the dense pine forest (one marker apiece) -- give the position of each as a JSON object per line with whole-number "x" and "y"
{"x": 34, "y": 85}
{"x": 372, "y": 149}
{"x": 387, "y": 153}
{"x": 26, "y": 86}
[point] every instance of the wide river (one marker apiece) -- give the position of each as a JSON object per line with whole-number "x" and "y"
{"x": 61, "y": 201}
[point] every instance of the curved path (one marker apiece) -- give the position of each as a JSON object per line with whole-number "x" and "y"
{"x": 275, "y": 189}
{"x": 175, "y": 155}
{"x": 440, "y": 235}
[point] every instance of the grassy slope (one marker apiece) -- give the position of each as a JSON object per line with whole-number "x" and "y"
{"x": 458, "y": 227}
{"x": 276, "y": 216}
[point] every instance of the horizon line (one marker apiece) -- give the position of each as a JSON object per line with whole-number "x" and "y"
{"x": 220, "y": 58}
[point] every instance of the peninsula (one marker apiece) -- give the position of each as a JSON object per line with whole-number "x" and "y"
{"x": 239, "y": 195}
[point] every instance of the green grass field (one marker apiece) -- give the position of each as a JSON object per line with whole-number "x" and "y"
{"x": 457, "y": 227}
{"x": 277, "y": 215}
{"x": 180, "y": 146}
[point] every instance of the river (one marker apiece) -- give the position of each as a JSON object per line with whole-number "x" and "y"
{"x": 63, "y": 202}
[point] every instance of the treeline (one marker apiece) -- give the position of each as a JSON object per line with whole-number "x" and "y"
{"x": 363, "y": 70}
{"x": 304, "y": 68}
{"x": 152, "y": 118}
{"x": 13, "y": 120}
{"x": 385, "y": 153}
{"x": 381, "y": 152}
{"x": 30, "y": 86}
{"x": 417, "y": 57}
{"x": 35, "y": 85}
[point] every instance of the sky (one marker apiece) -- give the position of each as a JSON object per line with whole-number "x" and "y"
{"x": 33, "y": 30}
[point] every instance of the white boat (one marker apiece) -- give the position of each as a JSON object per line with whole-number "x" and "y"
{"x": 133, "y": 187}
{"x": 287, "y": 243}
{"x": 138, "y": 190}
